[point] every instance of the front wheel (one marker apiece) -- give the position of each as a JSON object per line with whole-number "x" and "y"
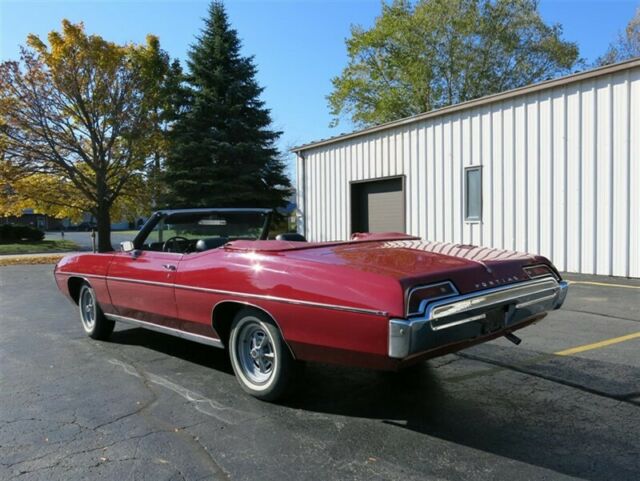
{"x": 259, "y": 356}
{"x": 94, "y": 323}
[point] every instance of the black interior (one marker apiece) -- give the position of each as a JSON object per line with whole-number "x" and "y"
{"x": 211, "y": 243}
{"x": 291, "y": 236}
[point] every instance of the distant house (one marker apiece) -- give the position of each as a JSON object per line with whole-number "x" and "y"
{"x": 30, "y": 218}
{"x": 48, "y": 223}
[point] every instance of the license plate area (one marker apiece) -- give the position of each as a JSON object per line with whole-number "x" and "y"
{"x": 494, "y": 320}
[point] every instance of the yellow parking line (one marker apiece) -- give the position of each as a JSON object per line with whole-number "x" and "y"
{"x": 604, "y": 284}
{"x": 598, "y": 345}
{"x": 541, "y": 358}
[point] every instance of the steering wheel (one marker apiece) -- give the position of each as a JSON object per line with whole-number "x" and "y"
{"x": 166, "y": 247}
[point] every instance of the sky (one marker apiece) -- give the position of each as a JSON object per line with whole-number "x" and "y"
{"x": 298, "y": 45}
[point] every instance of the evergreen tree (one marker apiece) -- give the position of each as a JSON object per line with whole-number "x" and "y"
{"x": 222, "y": 151}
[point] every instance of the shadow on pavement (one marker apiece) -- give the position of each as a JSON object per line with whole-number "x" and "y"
{"x": 192, "y": 352}
{"x": 525, "y": 419}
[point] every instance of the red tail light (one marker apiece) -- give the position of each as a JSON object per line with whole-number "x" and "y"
{"x": 428, "y": 293}
{"x": 540, "y": 270}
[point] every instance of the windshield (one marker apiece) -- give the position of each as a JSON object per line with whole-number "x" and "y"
{"x": 193, "y": 232}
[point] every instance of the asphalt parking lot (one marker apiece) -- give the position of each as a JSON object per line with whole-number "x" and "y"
{"x": 562, "y": 405}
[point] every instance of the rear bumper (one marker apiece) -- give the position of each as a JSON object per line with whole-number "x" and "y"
{"x": 467, "y": 317}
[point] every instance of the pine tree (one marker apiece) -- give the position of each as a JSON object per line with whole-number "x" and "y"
{"x": 222, "y": 150}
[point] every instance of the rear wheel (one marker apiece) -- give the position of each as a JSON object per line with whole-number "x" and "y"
{"x": 259, "y": 356}
{"x": 94, "y": 323}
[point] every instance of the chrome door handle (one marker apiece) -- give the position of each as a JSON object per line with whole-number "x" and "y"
{"x": 169, "y": 267}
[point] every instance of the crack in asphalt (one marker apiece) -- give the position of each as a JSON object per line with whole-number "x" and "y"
{"x": 620, "y": 318}
{"x": 192, "y": 397}
{"x": 59, "y": 461}
{"x": 211, "y": 409}
{"x": 203, "y": 404}
{"x": 521, "y": 368}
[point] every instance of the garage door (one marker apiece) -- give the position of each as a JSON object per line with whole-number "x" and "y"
{"x": 377, "y": 206}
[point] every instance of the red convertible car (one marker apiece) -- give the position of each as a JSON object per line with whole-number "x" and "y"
{"x": 383, "y": 301}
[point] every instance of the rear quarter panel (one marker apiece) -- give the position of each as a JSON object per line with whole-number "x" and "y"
{"x": 326, "y": 313}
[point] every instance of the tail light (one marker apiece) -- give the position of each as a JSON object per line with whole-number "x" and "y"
{"x": 417, "y": 295}
{"x": 540, "y": 270}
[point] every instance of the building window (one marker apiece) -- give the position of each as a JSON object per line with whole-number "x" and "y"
{"x": 473, "y": 194}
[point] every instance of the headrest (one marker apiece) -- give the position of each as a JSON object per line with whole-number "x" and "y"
{"x": 291, "y": 236}
{"x": 210, "y": 243}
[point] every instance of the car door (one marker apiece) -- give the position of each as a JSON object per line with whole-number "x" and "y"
{"x": 141, "y": 285}
{"x": 201, "y": 281}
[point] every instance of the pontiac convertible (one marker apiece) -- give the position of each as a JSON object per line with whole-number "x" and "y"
{"x": 380, "y": 300}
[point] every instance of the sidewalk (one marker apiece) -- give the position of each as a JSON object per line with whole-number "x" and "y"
{"x": 26, "y": 259}
{"x": 42, "y": 254}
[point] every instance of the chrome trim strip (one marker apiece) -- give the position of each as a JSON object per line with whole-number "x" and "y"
{"x": 457, "y": 323}
{"x": 265, "y": 297}
{"x": 535, "y": 301}
{"x": 300, "y": 302}
{"x": 140, "y": 281}
{"x": 167, "y": 330}
{"x": 78, "y": 274}
{"x": 489, "y": 297}
{"x": 564, "y": 288}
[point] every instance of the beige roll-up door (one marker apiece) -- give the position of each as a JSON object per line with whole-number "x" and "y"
{"x": 378, "y": 206}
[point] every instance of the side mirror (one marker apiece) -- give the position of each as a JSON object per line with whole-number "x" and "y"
{"x": 127, "y": 246}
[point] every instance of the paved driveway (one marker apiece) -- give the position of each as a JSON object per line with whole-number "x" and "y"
{"x": 148, "y": 406}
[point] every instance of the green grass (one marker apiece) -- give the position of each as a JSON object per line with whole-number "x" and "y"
{"x": 38, "y": 247}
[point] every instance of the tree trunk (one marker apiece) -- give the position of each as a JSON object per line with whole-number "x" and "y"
{"x": 104, "y": 228}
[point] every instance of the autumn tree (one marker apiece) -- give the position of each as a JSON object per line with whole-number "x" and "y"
{"x": 77, "y": 124}
{"x": 223, "y": 149}
{"x": 428, "y": 54}
{"x": 626, "y": 46}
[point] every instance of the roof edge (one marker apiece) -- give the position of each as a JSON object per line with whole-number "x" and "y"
{"x": 507, "y": 94}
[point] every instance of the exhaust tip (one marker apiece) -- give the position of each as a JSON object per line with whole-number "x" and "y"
{"x": 513, "y": 338}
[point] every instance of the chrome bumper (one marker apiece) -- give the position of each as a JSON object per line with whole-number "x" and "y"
{"x": 466, "y": 317}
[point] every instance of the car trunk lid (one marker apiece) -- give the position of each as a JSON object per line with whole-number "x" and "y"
{"x": 414, "y": 262}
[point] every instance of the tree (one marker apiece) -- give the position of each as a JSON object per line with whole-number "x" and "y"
{"x": 423, "y": 56}
{"x": 222, "y": 148}
{"x": 626, "y": 46}
{"x": 163, "y": 98}
{"x": 76, "y": 125}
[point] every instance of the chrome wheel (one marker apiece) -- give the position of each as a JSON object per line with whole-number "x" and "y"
{"x": 93, "y": 321}
{"x": 87, "y": 306}
{"x": 261, "y": 360}
{"x": 256, "y": 352}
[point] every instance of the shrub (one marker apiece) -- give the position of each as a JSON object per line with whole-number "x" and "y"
{"x": 37, "y": 235}
{"x": 6, "y": 233}
{"x": 16, "y": 233}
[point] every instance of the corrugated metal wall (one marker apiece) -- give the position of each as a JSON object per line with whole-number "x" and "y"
{"x": 560, "y": 173}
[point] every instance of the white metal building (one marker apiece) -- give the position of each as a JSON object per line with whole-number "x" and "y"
{"x": 552, "y": 168}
